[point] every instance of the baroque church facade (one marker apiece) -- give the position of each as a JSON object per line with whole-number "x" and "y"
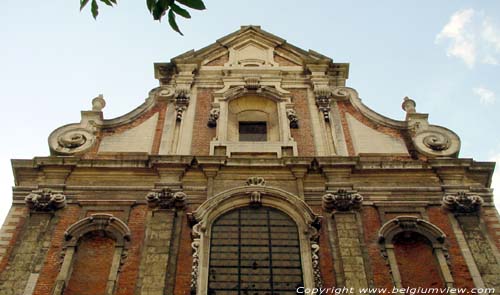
{"x": 250, "y": 169}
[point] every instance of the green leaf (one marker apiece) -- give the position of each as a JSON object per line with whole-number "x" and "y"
{"x": 95, "y": 9}
{"x": 159, "y": 9}
{"x": 114, "y": 1}
{"x": 173, "y": 24}
{"x": 179, "y": 10}
{"x": 83, "y": 3}
{"x": 194, "y": 4}
{"x": 151, "y": 5}
{"x": 107, "y": 2}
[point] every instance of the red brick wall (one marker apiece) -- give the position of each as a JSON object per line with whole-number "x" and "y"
{"x": 458, "y": 267}
{"x": 130, "y": 269}
{"x": 184, "y": 261}
{"x": 417, "y": 264}
{"x": 202, "y": 135}
{"x": 303, "y": 135}
{"x": 50, "y": 269}
{"x": 381, "y": 271}
{"x": 91, "y": 266}
{"x": 325, "y": 253}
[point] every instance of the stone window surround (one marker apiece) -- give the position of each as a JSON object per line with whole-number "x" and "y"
{"x": 238, "y": 89}
{"x": 112, "y": 226}
{"x": 238, "y": 197}
{"x": 435, "y": 236}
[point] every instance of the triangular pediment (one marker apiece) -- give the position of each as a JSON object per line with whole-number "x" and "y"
{"x": 251, "y": 47}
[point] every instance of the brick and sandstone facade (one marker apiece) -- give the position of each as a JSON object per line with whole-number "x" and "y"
{"x": 250, "y": 169}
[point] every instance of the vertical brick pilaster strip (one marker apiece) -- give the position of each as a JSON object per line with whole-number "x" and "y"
{"x": 28, "y": 254}
{"x": 381, "y": 271}
{"x": 51, "y": 266}
{"x": 127, "y": 279}
{"x": 154, "y": 262}
{"x": 458, "y": 267}
{"x": 202, "y": 135}
{"x": 481, "y": 250}
{"x": 353, "y": 265}
{"x": 159, "y": 128}
{"x": 11, "y": 229}
{"x": 304, "y": 134}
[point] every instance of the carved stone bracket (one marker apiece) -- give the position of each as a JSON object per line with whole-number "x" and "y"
{"x": 462, "y": 203}
{"x": 182, "y": 97}
{"x": 323, "y": 96}
{"x": 45, "y": 200}
{"x": 342, "y": 200}
{"x": 165, "y": 198}
{"x": 256, "y": 181}
{"x": 292, "y": 117}
{"x": 212, "y": 117}
{"x": 252, "y": 83}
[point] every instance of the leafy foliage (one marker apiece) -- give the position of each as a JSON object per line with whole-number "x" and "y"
{"x": 157, "y": 8}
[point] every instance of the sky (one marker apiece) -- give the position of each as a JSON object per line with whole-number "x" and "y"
{"x": 55, "y": 59}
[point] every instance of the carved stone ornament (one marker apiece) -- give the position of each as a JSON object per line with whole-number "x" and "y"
{"x": 437, "y": 141}
{"x": 182, "y": 96}
{"x": 252, "y": 83}
{"x": 323, "y": 96}
{"x": 292, "y": 117}
{"x": 73, "y": 139}
{"x": 195, "y": 245}
{"x": 255, "y": 199}
{"x": 462, "y": 202}
{"x": 98, "y": 103}
{"x": 166, "y": 199}
{"x": 212, "y": 118}
{"x": 256, "y": 181}
{"x": 45, "y": 200}
{"x": 409, "y": 105}
{"x": 342, "y": 200}
{"x": 314, "y": 238}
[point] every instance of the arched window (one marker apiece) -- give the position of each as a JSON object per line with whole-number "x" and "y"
{"x": 406, "y": 237}
{"x": 254, "y": 251}
{"x": 254, "y": 239}
{"x": 93, "y": 253}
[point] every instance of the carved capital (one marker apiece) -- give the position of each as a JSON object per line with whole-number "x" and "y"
{"x": 342, "y": 200}
{"x": 462, "y": 202}
{"x": 166, "y": 199}
{"x": 44, "y": 200}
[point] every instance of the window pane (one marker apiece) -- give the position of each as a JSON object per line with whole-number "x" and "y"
{"x": 253, "y": 131}
{"x": 254, "y": 251}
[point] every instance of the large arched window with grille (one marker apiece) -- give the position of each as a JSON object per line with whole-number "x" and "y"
{"x": 254, "y": 251}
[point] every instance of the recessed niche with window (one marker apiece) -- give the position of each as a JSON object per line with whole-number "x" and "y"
{"x": 253, "y": 131}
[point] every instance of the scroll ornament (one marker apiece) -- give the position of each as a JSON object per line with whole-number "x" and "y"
{"x": 436, "y": 141}
{"x": 166, "y": 199}
{"x": 462, "y": 202}
{"x": 342, "y": 200}
{"x": 45, "y": 200}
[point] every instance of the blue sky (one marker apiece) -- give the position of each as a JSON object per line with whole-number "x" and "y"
{"x": 55, "y": 59}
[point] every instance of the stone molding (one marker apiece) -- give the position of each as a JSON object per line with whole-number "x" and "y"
{"x": 342, "y": 200}
{"x": 166, "y": 198}
{"x": 462, "y": 203}
{"x": 45, "y": 200}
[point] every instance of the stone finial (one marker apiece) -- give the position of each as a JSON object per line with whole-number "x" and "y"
{"x": 342, "y": 201}
{"x": 256, "y": 181}
{"x": 98, "y": 103}
{"x": 212, "y": 118}
{"x": 462, "y": 202}
{"x": 45, "y": 200}
{"x": 292, "y": 117}
{"x": 166, "y": 199}
{"x": 409, "y": 105}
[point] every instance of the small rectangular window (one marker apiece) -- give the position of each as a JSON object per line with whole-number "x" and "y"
{"x": 253, "y": 131}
